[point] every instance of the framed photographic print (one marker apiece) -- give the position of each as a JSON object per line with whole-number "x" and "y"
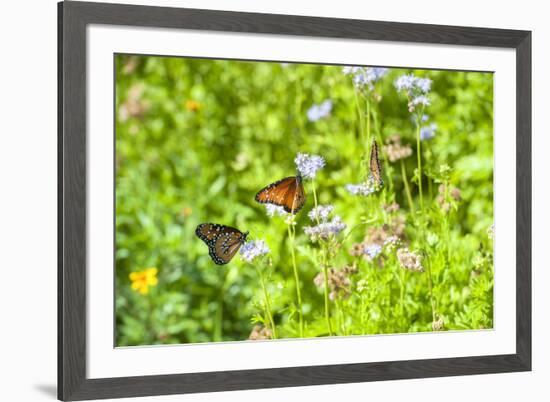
{"x": 254, "y": 201}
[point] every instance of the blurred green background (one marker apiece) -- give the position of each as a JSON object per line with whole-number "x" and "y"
{"x": 196, "y": 139}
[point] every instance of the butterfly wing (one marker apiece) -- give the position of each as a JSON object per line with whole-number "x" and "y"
{"x": 222, "y": 241}
{"x": 375, "y": 166}
{"x": 227, "y": 245}
{"x": 295, "y": 197}
{"x": 287, "y": 193}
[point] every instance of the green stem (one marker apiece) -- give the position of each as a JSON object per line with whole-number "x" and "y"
{"x": 361, "y": 129}
{"x": 362, "y": 319}
{"x": 341, "y": 318}
{"x": 368, "y": 130}
{"x": 324, "y": 263}
{"x": 291, "y": 236}
{"x": 419, "y": 161}
{"x": 327, "y": 304}
{"x": 407, "y": 189}
{"x": 315, "y": 203}
{"x": 267, "y": 304}
{"x": 430, "y": 287}
{"x": 402, "y": 291}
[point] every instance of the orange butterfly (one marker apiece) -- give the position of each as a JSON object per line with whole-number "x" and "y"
{"x": 287, "y": 193}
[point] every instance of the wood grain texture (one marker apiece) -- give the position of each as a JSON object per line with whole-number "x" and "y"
{"x": 72, "y": 176}
{"x": 523, "y": 200}
{"x": 73, "y": 17}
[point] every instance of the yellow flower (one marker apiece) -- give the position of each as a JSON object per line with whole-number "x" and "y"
{"x": 192, "y": 105}
{"x": 141, "y": 280}
{"x": 186, "y": 211}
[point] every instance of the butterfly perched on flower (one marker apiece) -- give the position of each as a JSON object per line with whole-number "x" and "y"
{"x": 375, "y": 166}
{"x": 223, "y": 241}
{"x": 287, "y": 193}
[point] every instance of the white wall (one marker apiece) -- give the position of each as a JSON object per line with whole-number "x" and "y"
{"x": 28, "y": 199}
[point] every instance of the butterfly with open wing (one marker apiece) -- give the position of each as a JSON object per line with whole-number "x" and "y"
{"x": 375, "y": 166}
{"x": 223, "y": 241}
{"x": 287, "y": 193}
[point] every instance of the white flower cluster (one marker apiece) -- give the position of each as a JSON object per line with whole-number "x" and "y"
{"x": 275, "y": 210}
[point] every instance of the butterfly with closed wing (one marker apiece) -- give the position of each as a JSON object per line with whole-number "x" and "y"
{"x": 287, "y": 193}
{"x": 223, "y": 241}
{"x": 375, "y": 166}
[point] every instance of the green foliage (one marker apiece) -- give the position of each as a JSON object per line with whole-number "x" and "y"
{"x": 196, "y": 139}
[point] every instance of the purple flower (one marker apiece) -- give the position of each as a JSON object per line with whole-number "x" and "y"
{"x": 428, "y": 132}
{"x": 365, "y": 76}
{"x": 351, "y": 70}
{"x": 318, "y": 112}
{"x": 320, "y": 213}
{"x": 325, "y": 230}
{"x": 360, "y": 189}
{"x": 405, "y": 83}
{"x": 420, "y": 100}
{"x": 308, "y": 165}
{"x": 372, "y": 250}
{"x": 416, "y": 89}
{"x": 423, "y": 84}
{"x": 253, "y": 249}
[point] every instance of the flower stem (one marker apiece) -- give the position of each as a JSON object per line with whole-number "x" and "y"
{"x": 407, "y": 189}
{"x": 291, "y": 236}
{"x": 361, "y": 127}
{"x": 368, "y": 125}
{"x": 342, "y": 318}
{"x": 402, "y": 292}
{"x": 267, "y": 304}
{"x": 327, "y": 304}
{"x": 430, "y": 287}
{"x": 315, "y": 203}
{"x": 324, "y": 264}
{"x": 419, "y": 161}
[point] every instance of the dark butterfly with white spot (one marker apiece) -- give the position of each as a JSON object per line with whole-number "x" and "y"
{"x": 223, "y": 241}
{"x": 375, "y": 166}
{"x": 287, "y": 193}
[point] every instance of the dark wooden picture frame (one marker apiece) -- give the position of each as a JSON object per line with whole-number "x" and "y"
{"x": 73, "y": 18}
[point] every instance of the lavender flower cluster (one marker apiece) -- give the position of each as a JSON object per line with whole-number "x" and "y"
{"x": 416, "y": 88}
{"x": 320, "y": 212}
{"x": 325, "y": 228}
{"x": 428, "y": 132}
{"x": 320, "y": 111}
{"x": 309, "y": 165}
{"x": 365, "y": 77}
{"x": 364, "y": 189}
{"x": 253, "y": 249}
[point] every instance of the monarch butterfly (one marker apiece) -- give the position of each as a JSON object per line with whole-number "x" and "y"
{"x": 223, "y": 241}
{"x": 287, "y": 193}
{"x": 375, "y": 166}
